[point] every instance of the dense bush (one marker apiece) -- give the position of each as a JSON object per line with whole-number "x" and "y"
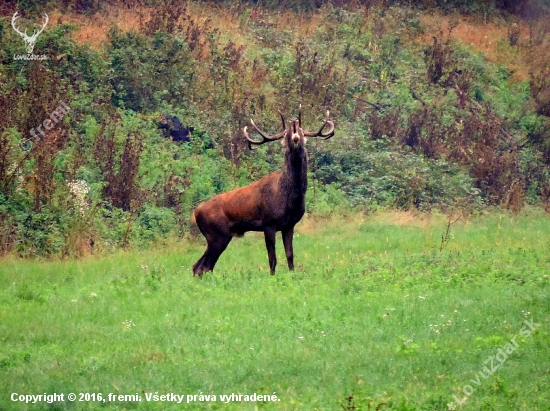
{"x": 148, "y": 71}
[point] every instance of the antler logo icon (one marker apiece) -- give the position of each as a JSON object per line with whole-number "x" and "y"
{"x": 29, "y": 40}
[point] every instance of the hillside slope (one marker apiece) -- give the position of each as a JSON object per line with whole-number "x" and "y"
{"x": 433, "y": 110}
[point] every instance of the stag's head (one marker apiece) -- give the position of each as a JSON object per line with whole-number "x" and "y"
{"x": 293, "y": 136}
{"x": 29, "y": 40}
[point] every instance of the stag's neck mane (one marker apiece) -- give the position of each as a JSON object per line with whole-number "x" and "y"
{"x": 294, "y": 175}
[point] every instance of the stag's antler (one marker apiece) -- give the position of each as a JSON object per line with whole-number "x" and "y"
{"x": 29, "y": 40}
{"x": 265, "y": 138}
{"x": 319, "y": 133}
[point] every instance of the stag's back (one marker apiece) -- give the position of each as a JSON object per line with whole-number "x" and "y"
{"x": 248, "y": 208}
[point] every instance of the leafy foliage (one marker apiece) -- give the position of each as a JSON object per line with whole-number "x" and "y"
{"x": 420, "y": 125}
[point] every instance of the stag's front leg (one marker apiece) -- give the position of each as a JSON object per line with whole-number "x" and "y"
{"x": 270, "y": 245}
{"x": 287, "y": 241}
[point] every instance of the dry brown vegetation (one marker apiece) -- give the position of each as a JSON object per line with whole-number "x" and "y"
{"x": 489, "y": 36}
{"x": 433, "y": 109}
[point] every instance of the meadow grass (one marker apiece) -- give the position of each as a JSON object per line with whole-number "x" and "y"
{"x": 375, "y": 317}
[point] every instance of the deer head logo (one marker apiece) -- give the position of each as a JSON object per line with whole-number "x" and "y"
{"x": 29, "y": 40}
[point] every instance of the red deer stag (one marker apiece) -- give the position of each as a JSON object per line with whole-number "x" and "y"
{"x": 274, "y": 203}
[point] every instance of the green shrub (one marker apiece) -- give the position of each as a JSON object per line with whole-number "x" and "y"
{"x": 155, "y": 223}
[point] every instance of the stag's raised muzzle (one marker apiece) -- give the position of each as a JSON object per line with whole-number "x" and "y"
{"x": 294, "y": 127}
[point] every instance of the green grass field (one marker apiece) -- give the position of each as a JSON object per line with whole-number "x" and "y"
{"x": 375, "y": 317}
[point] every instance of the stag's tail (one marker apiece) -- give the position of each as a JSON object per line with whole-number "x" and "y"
{"x": 193, "y": 218}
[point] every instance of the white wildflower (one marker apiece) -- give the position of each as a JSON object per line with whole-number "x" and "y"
{"x": 128, "y": 324}
{"x": 79, "y": 189}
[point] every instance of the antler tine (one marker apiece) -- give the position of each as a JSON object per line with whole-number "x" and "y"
{"x": 283, "y": 119}
{"x": 265, "y": 138}
{"x": 320, "y": 133}
{"x": 250, "y": 141}
{"x": 300, "y": 116}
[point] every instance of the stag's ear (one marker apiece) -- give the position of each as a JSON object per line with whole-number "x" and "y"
{"x": 305, "y": 140}
{"x": 283, "y": 141}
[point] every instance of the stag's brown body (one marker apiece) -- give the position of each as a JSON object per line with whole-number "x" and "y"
{"x": 277, "y": 200}
{"x": 273, "y": 203}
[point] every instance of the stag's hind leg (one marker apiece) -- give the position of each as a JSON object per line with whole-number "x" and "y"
{"x": 215, "y": 249}
{"x": 198, "y": 266}
{"x": 216, "y": 246}
{"x": 217, "y": 241}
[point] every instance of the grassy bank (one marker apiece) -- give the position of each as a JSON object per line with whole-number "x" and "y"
{"x": 378, "y": 315}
